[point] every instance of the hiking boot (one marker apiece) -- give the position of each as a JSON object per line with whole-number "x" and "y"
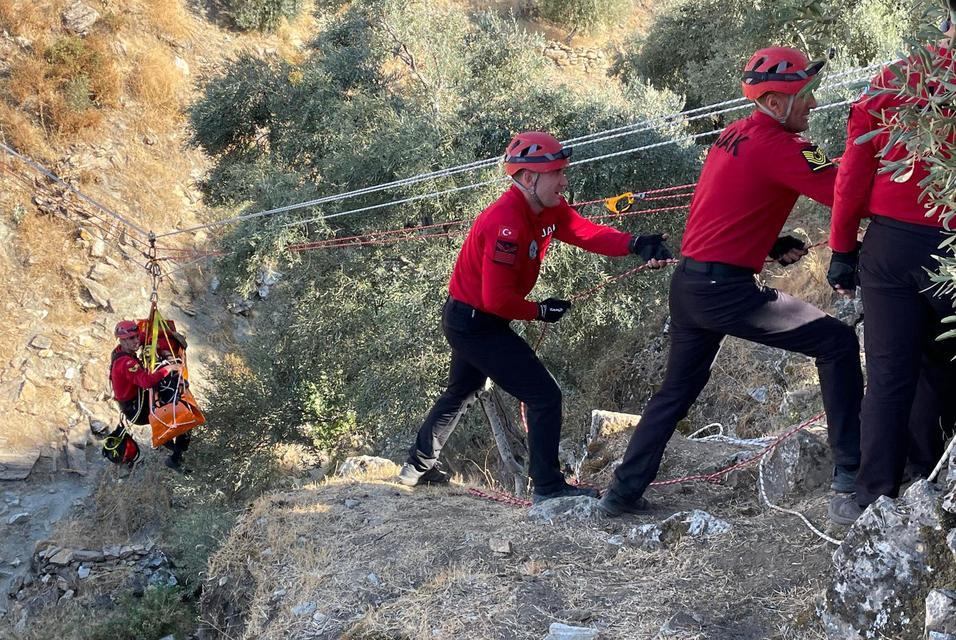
{"x": 844, "y": 479}
{"x": 844, "y": 510}
{"x": 412, "y": 477}
{"x": 567, "y": 491}
{"x": 613, "y": 505}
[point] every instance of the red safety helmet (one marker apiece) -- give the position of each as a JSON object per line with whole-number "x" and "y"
{"x": 780, "y": 69}
{"x": 535, "y": 151}
{"x": 126, "y": 329}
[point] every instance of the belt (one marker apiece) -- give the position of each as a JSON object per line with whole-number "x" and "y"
{"x": 718, "y": 269}
{"x": 474, "y": 312}
{"x": 913, "y": 227}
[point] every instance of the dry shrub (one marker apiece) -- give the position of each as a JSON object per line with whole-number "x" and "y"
{"x": 17, "y": 130}
{"x": 156, "y": 81}
{"x": 168, "y": 18}
{"x": 67, "y": 85}
{"x": 29, "y": 18}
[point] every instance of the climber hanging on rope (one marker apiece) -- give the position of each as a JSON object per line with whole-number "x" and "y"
{"x": 497, "y": 267}
{"x": 750, "y": 181}
{"x": 131, "y": 381}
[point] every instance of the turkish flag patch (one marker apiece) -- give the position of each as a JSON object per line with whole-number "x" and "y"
{"x": 506, "y": 246}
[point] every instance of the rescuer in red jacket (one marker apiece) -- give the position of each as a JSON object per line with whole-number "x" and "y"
{"x": 750, "y": 181}
{"x": 909, "y": 373}
{"x": 130, "y": 381}
{"x": 496, "y": 269}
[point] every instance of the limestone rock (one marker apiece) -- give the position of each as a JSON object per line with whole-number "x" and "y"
{"x": 18, "y": 518}
{"x": 78, "y": 18}
{"x": 41, "y": 342}
{"x": 304, "y": 609}
{"x": 99, "y": 294}
{"x": 887, "y": 561}
{"x": 696, "y": 523}
{"x": 570, "y": 509}
{"x": 500, "y": 545}
{"x": 559, "y": 631}
{"x": 16, "y": 465}
{"x": 941, "y": 611}
{"x": 798, "y": 465}
{"x": 364, "y": 466}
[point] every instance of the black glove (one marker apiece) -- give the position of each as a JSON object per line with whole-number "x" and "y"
{"x": 843, "y": 269}
{"x": 782, "y": 245}
{"x": 552, "y": 309}
{"x": 650, "y": 247}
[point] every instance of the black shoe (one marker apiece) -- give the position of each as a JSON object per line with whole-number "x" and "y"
{"x": 613, "y": 505}
{"x": 844, "y": 510}
{"x": 567, "y": 491}
{"x": 844, "y": 479}
{"x": 412, "y": 477}
{"x": 176, "y": 464}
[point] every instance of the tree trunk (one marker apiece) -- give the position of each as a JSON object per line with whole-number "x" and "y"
{"x": 510, "y": 439}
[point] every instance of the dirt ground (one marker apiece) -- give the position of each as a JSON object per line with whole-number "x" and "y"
{"x": 371, "y": 559}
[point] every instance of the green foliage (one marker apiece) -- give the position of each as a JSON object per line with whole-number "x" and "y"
{"x": 194, "y": 535}
{"x": 698, "y": 49}
{"x": 348, "y": 354}
{"x": 582, "y": 14}
{"x": 160, "y": 612}
{"x": 261, "y": 15}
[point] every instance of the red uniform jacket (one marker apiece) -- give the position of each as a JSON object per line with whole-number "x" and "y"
{"x": 127, "y": 375}
{"x": 499, "y": 262}
{"x": 748, "y": 186}
{"x": 860, "y": 190}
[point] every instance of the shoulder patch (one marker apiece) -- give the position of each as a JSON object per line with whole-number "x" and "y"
{"x": 506, "y": 245}
{"x": 816, "y": 159}
{"x": 134, "y": 368}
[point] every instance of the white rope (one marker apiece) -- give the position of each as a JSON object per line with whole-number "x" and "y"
{"x": 720, "y": 430}
{"x": 942, "y": 461}
{"x": 580, "y": 141}
{"x": 435, "y": 194}
{"x": 806, "y": 521}
{"x": 49, "y": 174}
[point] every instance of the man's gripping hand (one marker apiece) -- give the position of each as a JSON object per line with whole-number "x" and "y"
{"x": 552, "y": 309}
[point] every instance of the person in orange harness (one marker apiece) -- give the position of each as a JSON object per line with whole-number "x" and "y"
{"x": 751, "y": 179}
{"x": 909, "y": 373}
{"x": 130, "y": 380}
{"x": 497, "y": 267}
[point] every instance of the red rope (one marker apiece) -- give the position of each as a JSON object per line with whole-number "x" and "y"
{"x": 499, "y": 496}
{"x": 607, "y": 216}
{"x": 507, "y": 498}
{"x": 717, "y": 475}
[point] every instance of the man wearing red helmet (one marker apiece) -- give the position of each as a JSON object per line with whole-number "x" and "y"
{"x": 909, "y": 373}
{"x": 750, "y": 181}
{"x": 130, "y": 380}
{"x": 497, "y": 267}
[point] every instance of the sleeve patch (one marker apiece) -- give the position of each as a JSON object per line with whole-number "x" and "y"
{"x": 816, "y": 159}
{"x": 134, "y": 368}
{"x": 505, "y": 252}
{"x": 507, "y": 233}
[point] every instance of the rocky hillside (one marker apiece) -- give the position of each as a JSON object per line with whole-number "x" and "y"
{"x": 359, "y": 557}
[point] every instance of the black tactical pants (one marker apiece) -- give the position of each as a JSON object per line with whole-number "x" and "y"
{"x": 709, "y": 301}
{"x": 909, "y": 402}
{"x": 484, "y": 346}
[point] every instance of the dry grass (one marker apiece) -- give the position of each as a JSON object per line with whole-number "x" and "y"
{"x": 156, "y": 81}
{"x": 414, "y": 564}
{"x": 169, "y": 19}
{"x": 30, "y": 18}
{"x": 66, "y": 84}
{"x": 23, "y": 134}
